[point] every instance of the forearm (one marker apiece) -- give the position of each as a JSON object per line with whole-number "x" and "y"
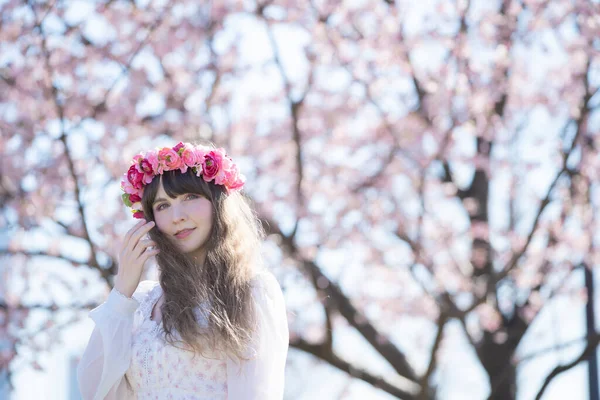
{"x": 108, "y": 353}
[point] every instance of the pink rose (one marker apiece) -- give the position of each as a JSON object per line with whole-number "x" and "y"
{"x": 234, "y": 179}
{"x": 136, "y": 161}
{"x": 127, "y": 186}
{"x": 211, "y": 165}
{"x": 201, "y": 152}
{"x": 189, "y": 156}
{"x": 152, "y": 158}
{"x": 135, "y": 177}
{"x": 224, "y": 170}
{"x": 145, "y": 167}
{"x": 238, "y": 183}
{"x": 169, "y": 159}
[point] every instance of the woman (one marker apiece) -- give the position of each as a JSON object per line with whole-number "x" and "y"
{"x": 214, "y": 326}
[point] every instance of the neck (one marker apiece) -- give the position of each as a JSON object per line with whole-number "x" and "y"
{"x": 199, "y": 256}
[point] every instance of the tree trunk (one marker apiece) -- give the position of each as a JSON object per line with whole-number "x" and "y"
{"x": 496, "y": 359}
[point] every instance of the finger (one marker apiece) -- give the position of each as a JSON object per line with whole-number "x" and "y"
{"x": 131, "y": 231}
{"x": 141, "y": 231}
{"x": 143, "y": 245}
{"x": 146, "y": 255}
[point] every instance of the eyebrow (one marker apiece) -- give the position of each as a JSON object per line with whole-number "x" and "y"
{"x": 158, "y": 200}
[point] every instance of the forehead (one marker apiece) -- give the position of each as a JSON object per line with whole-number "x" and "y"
{"x": 160, "y": 193}
{"x": 161, "y": 190}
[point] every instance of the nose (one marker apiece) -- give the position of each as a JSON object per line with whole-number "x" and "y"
{"x": 178, "y": 213}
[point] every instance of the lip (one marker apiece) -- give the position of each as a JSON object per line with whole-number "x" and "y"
{"x": 184, "y": 233}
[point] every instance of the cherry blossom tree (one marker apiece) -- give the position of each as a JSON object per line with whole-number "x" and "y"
{"x": 433, "y": 162}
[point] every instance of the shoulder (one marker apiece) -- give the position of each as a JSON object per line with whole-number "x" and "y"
{"x": 270, "y": 308}
{"x": 143, "y": 289}
{"x": 264, "y": 284}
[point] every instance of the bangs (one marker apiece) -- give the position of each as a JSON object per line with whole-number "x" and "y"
{"x": 175, "y": 183}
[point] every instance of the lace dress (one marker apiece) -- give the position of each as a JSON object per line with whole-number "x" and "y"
{"x": 127, "y": 343}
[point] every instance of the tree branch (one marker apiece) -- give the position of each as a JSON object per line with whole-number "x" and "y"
{"x": 564, "y": 169}
{"x": 442, "y": 320}
{"x": 63, "y": 138}
{"x": 322, "y": 353}
{"x": 295, "y": 108}
{"x": 343, "y": 304}
{"x": 591, "y": 347}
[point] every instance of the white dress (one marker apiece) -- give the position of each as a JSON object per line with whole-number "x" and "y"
{"x": 126, "y": 342}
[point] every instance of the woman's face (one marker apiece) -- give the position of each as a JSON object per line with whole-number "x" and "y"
{"x": 188, "y": 212}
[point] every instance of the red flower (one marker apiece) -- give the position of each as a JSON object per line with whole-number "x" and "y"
{"x": 138, "y": 215}
{"x": 135, "y": 177}
{"x": 211, "y": 165}
{"x": 146, "y": 167}
{"x": 178, "y": 147}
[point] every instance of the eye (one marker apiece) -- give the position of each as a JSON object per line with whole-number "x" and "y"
{"x": 160, "y": 206}
{"x": 193, "y": 196}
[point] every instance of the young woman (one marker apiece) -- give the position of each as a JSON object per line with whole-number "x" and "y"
{"x": 214, "y": 326}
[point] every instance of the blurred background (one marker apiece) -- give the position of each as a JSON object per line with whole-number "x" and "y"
{"x": 427, "y": 173}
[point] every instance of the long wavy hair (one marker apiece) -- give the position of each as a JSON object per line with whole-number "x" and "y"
{"x": 222, "y": 281}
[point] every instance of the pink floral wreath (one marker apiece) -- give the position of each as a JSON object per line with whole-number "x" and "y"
{"x": 212, "y": 164}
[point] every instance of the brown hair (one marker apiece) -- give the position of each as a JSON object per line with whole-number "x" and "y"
{"x": 224, "y": 279}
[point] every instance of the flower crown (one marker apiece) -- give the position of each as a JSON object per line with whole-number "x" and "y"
{"x": 212, "y": 164}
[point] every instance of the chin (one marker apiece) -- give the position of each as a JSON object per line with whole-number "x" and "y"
{"x": 189, "y": 249}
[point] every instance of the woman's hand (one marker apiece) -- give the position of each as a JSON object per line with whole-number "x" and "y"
{"x": 132, "y": 257}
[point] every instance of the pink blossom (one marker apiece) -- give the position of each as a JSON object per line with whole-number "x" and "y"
{"x": 237, "y": 182}
{"x": 212, "y": 164}
{"x": 169, "y": 158}
{"x": 178, "y": 147}
{"x": 152, "y": 157}
{"x": 136, "y": 161}
{"x": 144, "y": 166}
{"x": 224, "y": 171}
{"x": 201, "y": 152}
{"x": 233, "y": 180}
{"x": 127, "y": 186}
{"x": 189, "y": 158}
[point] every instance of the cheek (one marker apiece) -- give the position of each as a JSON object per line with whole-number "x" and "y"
{"x": 161, "y": 221}
{"x": 202, "y": 211}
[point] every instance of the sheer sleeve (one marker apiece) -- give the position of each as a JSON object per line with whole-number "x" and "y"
{"x": 262, "y": 378}
{"x": 101, "y": 370}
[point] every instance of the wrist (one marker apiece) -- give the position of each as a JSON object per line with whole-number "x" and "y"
{"x": 120, "y": 304}
{"x": 125, "y": 291}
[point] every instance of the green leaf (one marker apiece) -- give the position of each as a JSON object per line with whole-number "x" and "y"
{"x": 125, "y": 198}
